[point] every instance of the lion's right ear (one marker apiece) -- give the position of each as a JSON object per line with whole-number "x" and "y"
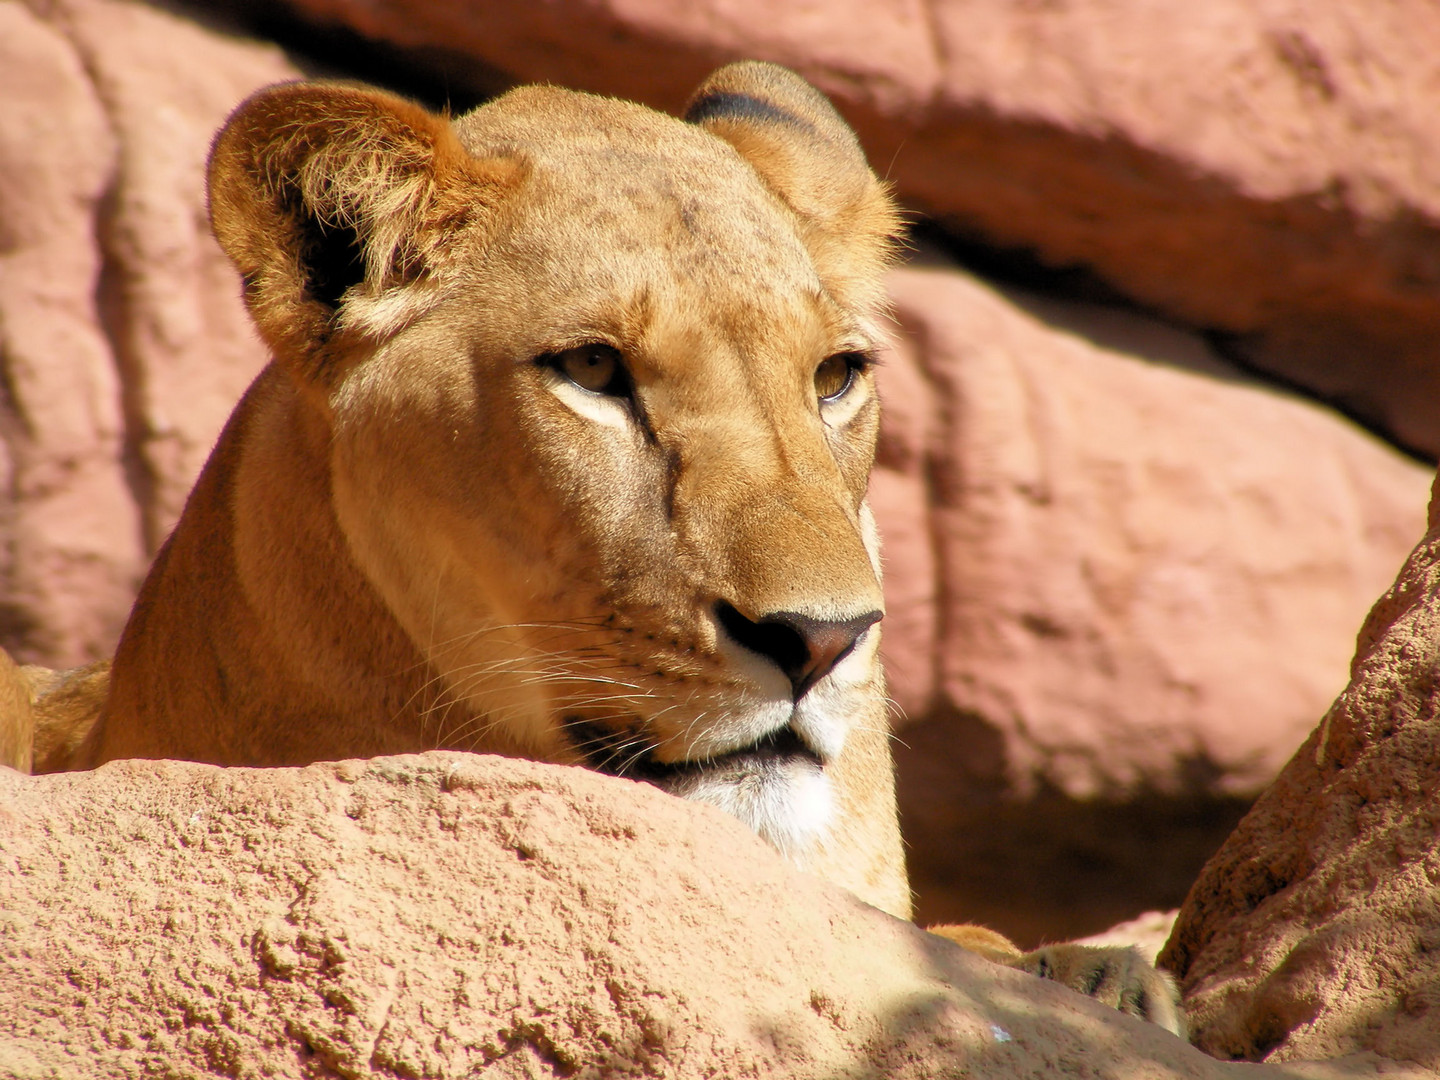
{"x": 339, "y": 205}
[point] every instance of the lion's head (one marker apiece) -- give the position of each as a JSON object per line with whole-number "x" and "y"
{"x": 564, "y": 451}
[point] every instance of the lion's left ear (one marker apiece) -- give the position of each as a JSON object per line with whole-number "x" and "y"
{"x": 793, "y": 137}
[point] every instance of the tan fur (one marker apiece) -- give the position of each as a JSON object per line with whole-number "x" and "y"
{"x": 418, "y": 531}
{"x": 46, "y": 716}
{"x": 66, "y": 705}
{"x": 17, "y": 722}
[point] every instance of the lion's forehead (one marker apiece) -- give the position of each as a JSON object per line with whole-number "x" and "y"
{"x": 618, "y": 191}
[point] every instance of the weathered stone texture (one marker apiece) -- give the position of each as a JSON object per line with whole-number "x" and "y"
{"x": 1122, "y": 583}
{"x": 448, "y": 915}
{"x": 71, "y": 556}
{"x": 123, "y": 342}
{"x": 1141, "y": 574}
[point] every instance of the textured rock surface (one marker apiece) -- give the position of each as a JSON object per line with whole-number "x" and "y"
{"x": 123, "y": 343}
{"x": 1120, "y": 590}
{"x": 443, "y": 914}
{"x": 1315, "y": 930}
{"x": 72, "y": 551}
{"x": 1265, "y": 168}
{"x": 180, "y": 335}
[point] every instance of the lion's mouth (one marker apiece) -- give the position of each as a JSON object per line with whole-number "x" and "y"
{"x": 622, "y": 753}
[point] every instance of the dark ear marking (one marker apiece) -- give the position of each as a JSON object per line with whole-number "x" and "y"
{"x": 728, "y": 105}
{"x": 333, "y": 260}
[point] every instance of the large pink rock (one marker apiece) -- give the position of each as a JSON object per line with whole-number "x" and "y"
{"x": 1315, "y": 930}
{"x": 123, "y": 342}
{"x": 1120, "y": 590}
{"x": 1265, "y": 168}
{"x": 1122, "y": 564}
{"x": 182, "y": 339}
{"x": 444, "y": 915}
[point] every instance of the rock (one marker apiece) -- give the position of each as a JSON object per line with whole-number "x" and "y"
{"x": 71, "y": 556}
{"x": 1267, "y": 170}
{"x": 1115, "y": 544}
{"x": 1122, "y": 584}
{"x": 1315, "y": 930}
{"x": 181, "y": 336}
{"x": 1264, "y": 169}
{"x": 442, "y": 914}
{"x": 123, "y": 342}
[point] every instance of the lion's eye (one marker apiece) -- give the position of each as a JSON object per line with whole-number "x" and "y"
{"x": 836, "y": 374}
{"x": 597, "y": 368}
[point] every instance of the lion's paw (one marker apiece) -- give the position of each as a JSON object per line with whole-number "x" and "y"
{"x": 1116, "y": 976}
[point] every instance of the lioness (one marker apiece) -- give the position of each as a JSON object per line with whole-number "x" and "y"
{"x": 563, "y": 454}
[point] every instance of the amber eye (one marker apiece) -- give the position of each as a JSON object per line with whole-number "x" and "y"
{"x": 835, "y": 375}
{"x": 594, "y": 367}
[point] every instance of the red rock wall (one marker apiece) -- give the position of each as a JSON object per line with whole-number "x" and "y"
{"x": 1122, "y": 584}
{"x": 1100, "y": 553}
{"x": 123, "y": 342}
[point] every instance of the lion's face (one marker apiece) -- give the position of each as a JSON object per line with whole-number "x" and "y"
{"x": 605, "y": 459}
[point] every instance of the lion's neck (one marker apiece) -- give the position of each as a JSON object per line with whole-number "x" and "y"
{"x": 256, "y": 639}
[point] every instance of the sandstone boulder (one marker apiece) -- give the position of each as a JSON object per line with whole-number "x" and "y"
{"x": 1122, "y": 582}
{"x": 448, "y": 915}
{"x": 1315, "y": 930}
{"x": 1265, "y": 169}
{"x": 123, "y": 342}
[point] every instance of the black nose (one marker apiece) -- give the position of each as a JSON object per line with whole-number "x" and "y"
{"x": 805, "y": 649}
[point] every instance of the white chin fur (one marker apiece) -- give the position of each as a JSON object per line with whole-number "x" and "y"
{"x": 788, "y": 804}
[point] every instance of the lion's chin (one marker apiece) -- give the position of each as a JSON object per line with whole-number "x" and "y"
{"x": 778, "y": 787}
{"x": 786, "y": 798}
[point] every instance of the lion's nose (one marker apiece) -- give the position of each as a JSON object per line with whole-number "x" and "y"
{"x": 805, "y": 649}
